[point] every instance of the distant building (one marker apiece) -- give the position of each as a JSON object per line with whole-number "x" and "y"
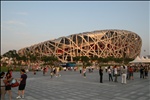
{"x": 101, "y": 43}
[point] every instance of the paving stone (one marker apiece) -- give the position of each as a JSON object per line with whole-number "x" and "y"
{"x": 72, "y": 86}
{"x": 143, "y": 98}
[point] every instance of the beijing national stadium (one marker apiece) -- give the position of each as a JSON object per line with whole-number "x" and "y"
{"x": 101, "y": 43}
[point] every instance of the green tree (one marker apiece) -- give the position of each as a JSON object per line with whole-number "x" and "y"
{"x": 118, "y": 60}
{"x": 10, "y": 54}
{"x": 127, "y": 60}
{"x": 54, "y": 61}
{"x": 84, "y": 60}
{"x": 32, "y": 58}
{"x": 46, "y": 59}
{"x": 111, "y": 58}
{"x": 51, "y": 60}
{"x": 94, "y": 59}
{"x": 100, "y": 60}
{"x": 88, "y": 64}
{"x": 76, "y": 59}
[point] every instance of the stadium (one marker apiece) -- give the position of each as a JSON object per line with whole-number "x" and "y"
{"x": 101, "y": 43}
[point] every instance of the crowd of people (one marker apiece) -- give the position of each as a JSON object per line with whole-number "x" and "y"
{"x": 126, "y": 73}
{"x": 54, "y": 71}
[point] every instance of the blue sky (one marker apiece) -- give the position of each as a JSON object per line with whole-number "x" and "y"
{"x": 25, "y": 23}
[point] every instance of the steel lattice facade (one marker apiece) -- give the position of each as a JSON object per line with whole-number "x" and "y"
{"x": 102, "y": 43}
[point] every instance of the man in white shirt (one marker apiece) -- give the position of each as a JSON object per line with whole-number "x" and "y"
{"x": 116, "y": 73}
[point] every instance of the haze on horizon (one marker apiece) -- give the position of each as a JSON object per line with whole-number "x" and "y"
{"x": 25, "y": 23}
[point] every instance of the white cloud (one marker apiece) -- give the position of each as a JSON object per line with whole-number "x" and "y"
{"x": 14, "y": 22}
{"x": 22, "y": 13}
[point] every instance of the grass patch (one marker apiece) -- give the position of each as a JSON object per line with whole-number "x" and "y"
{"x": 5, "y": 69}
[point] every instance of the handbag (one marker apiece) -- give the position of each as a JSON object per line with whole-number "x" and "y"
{"x": 14, "y": 83}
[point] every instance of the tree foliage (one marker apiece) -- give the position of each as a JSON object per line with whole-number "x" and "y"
{"x": 10, "y": 54}
{"x": 49, "y": 59}
{"x": 76, "y": 59}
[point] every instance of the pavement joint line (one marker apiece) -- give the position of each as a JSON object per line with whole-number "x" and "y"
{"x": 105, "y": 84}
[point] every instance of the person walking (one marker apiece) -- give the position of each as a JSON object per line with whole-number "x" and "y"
{"x": 131, "y": 73}
{"x": 22, "y": 85}
{"x": 34, "y": 70}
{"x": 128, "y": 74}
{"x": 80, "y": 68}
{"x": 51, "y": 72}
{"x": 54, "y": 70}
{"x": 110, "y": 73}
{"x": 84, "y": 72}
{"x": 115, "y": 73}
{"x": 101, "y": 74}
{"x": 57, "y": 72}
{"x": 124, "y": 75}
{"x": 44, "y": 71}
{"x": 146, "y": 72}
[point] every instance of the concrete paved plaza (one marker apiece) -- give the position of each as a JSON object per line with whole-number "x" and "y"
{"x": 72, "y": 86}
